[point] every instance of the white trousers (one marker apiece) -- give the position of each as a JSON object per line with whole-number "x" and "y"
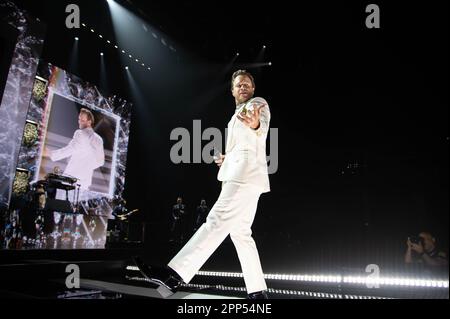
{"x": 233, "y": 215}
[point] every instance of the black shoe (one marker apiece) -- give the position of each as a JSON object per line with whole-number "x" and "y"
{"x": 258, "y": 295}
{"x": 167, "y": 280}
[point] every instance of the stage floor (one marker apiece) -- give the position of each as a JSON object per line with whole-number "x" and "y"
{"x": 111, "y": 275}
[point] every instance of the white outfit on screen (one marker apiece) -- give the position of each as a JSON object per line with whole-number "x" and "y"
{"x": 86, "y": 154}
{"x": 244, "y": 177}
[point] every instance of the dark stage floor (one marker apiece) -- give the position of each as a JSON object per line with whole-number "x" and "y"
{"x": 110, "y": 274}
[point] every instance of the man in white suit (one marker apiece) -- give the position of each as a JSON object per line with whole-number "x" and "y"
{"x": 244, "y": 175}
{"x": 85, "y": 151}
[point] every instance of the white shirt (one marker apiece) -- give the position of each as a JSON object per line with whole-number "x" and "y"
{"x": 86, "y": 154}
{"x": 245, "y": 159}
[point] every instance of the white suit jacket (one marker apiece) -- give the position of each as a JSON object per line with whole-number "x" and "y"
{"x": 245, "y": 151}
{"x": 86, "y": 154}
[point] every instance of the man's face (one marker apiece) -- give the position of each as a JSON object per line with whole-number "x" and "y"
{"x": 243, "y": 89}
{"x": 83, "y": 121}
{"x": 179, "y": 200}
{"x": 428, "y": 241}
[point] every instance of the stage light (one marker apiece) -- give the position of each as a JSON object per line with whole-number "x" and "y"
{"x": 83, "y": 24}
{"x": 408, "y": 282}
{"x": 100, "y": 36}
{"x": 270, "y": 63}
{"x": 74, "y": 58}
{"x": 126, "y": 68}
{"x": 264, "y": 46}
{"x": 237, "y": 54}
{"x": 104, "y": 81}
{"x": 143, "y": 64}
{"x": 92, "y": 30}
{"x": 119, "y": 14}
{"x": 270, "y": 291}
{"x": 148, "y": 69}
{"x": 132, "y": 268}
{"x": 339, "y": 279}
{"x": 108, "y": 41}
{"x": 399, "y": 281}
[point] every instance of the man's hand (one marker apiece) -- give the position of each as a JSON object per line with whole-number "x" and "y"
{"x": 251, "y": 118}
{"x": 219, "y": 160}
{"x": 409, "y": 243}
{"x": 417, "y": 248}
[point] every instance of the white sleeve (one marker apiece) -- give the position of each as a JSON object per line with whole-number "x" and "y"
{"x": 67, "y": 150}
{"x": 99, "y": 153}
{"x": 264, "y": 119}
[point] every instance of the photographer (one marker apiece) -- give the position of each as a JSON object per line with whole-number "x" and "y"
{"x": 423, "y": 250}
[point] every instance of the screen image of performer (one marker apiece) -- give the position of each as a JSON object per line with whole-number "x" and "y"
{"x": 85, "y": 151}
{"x": 244, "y": 176}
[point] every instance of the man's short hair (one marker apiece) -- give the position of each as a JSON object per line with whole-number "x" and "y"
{"x": 428, "y": 234}
{"x": 242, "y": 72}
{"x": 89, "y": 115}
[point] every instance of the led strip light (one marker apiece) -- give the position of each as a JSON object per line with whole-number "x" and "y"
{"x": 384, "y": 281}
{"x": 272, "y": 291}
